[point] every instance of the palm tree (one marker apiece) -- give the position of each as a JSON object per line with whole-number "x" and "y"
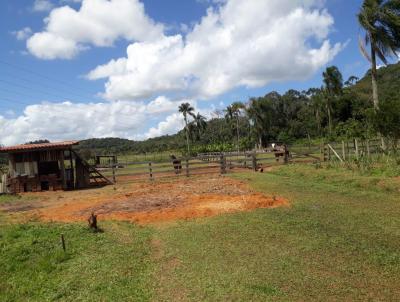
{"x": 186, "y": 109}
{"x": 201, "y": 124}
{"x": 333, "y": 81}
{"x": 237, "y": 108}
{"x": 381, "y": 21}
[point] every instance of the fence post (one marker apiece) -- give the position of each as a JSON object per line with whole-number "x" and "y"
{"x": 254, "y": 157}
{"x": 343, "y": 151}
{"x": 329, "y": 154}
{"x": 286, "y": 154}
{"x": 356, "y": 145}
{"x": 150, "y": 171}
{"x": 368, "y": 150}
{"x": 322, "y": 152}
{"x": 223, "y": 164}
{"x": 187, "y": 167}
{"x": 113, "y": 174}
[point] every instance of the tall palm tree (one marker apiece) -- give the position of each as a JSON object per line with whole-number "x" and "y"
{"x": 381, "y": 21}
{"x": 237, "y": 109}
{"x": 333, "y": 81}
{"x": 201, "y": 124}
{"x": 186, "y": 109}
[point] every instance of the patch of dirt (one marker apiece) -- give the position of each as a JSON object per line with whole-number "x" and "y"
{"x": 150, "y": 202}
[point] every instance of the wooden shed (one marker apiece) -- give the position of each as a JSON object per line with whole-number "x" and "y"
{"x": 49, "y": 167}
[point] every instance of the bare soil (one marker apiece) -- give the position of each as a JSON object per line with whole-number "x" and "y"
{"x": 145, "y": 202}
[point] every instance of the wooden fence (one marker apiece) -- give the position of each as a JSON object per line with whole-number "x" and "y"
{"x": 204, "y": 164}
{"x": 352, "y": 149}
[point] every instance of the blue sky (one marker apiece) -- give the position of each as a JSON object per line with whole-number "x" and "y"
{"x": 46, "y": 79}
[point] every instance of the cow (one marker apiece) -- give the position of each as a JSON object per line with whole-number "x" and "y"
{"x": 177, "y": 164}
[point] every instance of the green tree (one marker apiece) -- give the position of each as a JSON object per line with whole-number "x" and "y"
{"x": 333, "y": 81}
{"x": 201, "y": 124}
{"x": 237, "y": 108}
{"x": 381, "y": 21}
{"x": 186, "y": 109}
{"x": 317, "y": 100}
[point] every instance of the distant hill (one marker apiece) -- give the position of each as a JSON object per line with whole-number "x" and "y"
{"x": 113, "y": 145}
{"x": 389, "y": 87}
{"x": 388, "y": 81}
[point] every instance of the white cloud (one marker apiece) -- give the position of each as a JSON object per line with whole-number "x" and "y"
{"x": 97, "y": 22}
{"x": 42, "y": 5}
{"x": 67, "y": 120}
{"x": 239, "y": 43}
{"x": 162, "y": 105}
{"x": 22, "y": 34}
{"x": 172, "y": 124}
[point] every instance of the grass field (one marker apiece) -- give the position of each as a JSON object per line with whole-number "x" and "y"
{"x": 339, "y": 240}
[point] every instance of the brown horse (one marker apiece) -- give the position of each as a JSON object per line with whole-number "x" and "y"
{"x": 177, "y": 164}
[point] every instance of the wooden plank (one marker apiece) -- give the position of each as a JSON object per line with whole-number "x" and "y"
{"x": 334, "y": 152}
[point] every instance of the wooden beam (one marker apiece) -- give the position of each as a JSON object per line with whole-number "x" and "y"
{"x": 334, "y": 152}
{"x": 62, "y": 166}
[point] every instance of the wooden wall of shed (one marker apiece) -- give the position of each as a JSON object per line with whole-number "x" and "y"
{"x": 82, "y": 174}
{"x": 39, "y": 156}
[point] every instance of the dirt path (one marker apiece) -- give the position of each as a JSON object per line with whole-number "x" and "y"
{"x": 145, "y": 202}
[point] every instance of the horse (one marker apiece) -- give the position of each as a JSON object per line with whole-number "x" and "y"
{"x": 177, "y": 164}
{"x": 281, "y": 151}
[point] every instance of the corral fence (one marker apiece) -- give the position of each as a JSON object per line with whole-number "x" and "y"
{"x": 203, "y": 164}
{"x": 353, "y": 149}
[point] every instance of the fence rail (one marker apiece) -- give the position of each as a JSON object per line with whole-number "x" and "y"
{"x": 213, "y": 163}
{"x": 354, "y": 149}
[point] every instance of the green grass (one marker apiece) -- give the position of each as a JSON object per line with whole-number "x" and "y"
{"x": 339, "y": 240}
{"x": 110, "y": 266}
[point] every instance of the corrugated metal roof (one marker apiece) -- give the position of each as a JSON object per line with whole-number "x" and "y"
{"x": 35, "y": 147}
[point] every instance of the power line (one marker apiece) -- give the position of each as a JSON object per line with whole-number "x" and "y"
{"x": 70, "y": 91}
{"x": 30, "y": 88}
{"x": 68, "y": 84}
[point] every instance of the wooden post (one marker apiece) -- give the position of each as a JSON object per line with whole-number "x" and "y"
{"x": 72, "y": 169}
{"x": 254, "y": 157}
{"x": 356, "y": 146}
{"x": 343, "y": 151}
{"x": 329, "y": 154}
{"x": 62, "y": 167}
{"x": 223, "y": 164}
{"x": 322, "y": 152}
{"x": 63, "y": 242}
{"x": 286, "y": 154}
{"x": 150, "y": 171}
{"x": 187, "y": 167}
{"x": 368, "y": 150}
{"x": 113, "y": 174}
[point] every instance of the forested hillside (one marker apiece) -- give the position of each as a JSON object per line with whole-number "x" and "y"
{"x": 293, "y": 116}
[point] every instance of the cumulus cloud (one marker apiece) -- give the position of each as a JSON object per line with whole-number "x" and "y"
{"x": 42, "y": 5}
{"x": 172, "y": 124}
{"x": 22, "y": 34}
{"x": 237, "y": 43}
{"x": 67, "y": 120}
{"x": 97, "y": 22}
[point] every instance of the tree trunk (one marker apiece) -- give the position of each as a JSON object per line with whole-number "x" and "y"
{"x": 187, "y": 136}
{"x": 329, "y": 118}
{"x": 374, "y": 77}
{"x": 237, "y": 131}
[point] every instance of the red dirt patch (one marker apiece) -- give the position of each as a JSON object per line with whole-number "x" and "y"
{"x": 148, "y": 202}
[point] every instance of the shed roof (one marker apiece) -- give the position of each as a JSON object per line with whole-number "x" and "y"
{"x": 38, "y": 147}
